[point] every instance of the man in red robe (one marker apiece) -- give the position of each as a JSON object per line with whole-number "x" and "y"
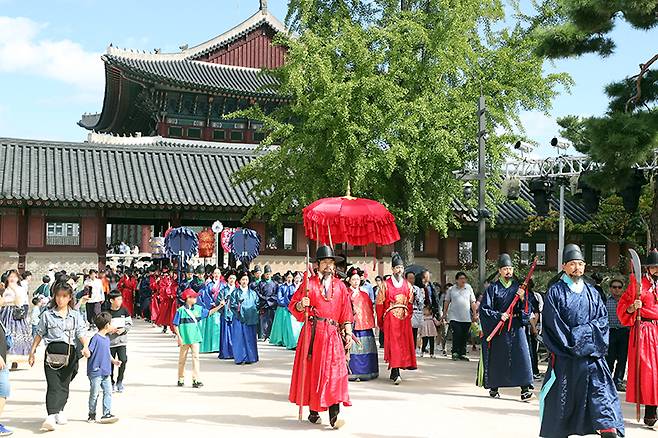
{"x": 127, "y": 286}
{"x": 154, "y": 279}
{"x": 394, "y": 310}
{"x": 324, "y": 341}
{"x": 647, "y": 305}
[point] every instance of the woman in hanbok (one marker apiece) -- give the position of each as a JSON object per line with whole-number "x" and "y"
{"x": 244, "y": 307}
{"x": 226, "y": 317}
{"x": 363, "y": 363}
{"x": 14, "y": 314}
{"x": 210, "y": 326}
{"x": 282, "y": 329}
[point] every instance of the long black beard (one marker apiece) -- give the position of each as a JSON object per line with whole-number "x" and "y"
{"x": 397, "y": 276}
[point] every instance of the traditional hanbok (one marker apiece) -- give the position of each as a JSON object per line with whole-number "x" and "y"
{"x": 225, "y": 322}
{"x": 127, "y": 286}
{"x": 394, "y": 312}
{"x": 363, "y": 363}
{"x": 506, "y": 358}
{"x": 285, "y": 328}
{"x": 155, "y": 297}
{"x": 244, "y": 335}
{"x": 578, "y": 396}
{"x": 322, "y": 348}
{"x": 167, "y": 288}
{"x": 210, "y": 327}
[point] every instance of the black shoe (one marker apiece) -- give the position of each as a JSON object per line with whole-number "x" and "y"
{"x": 526, "y": 396}
{"x": 494, "y": 394}
{"x": 180, "y": 383}
{"x": 463, "y": 358}
{"x": 91, "y": 418}
{"x": 196, "y": 384}
{"x": 314, "y": 418}
{"x": 608, "y": 434}
{"x": 108, "y": 419}
{"x": 650, "y": 421}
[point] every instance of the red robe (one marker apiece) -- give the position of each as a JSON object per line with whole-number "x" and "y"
{"x": 155, "y": 298}
{"x": 399, "y": 344}
{"x": 168, "y": 305}
{"x": 326, "y": 371}
{"x": 127, "y": 286}
{"x": 648, "y": 341}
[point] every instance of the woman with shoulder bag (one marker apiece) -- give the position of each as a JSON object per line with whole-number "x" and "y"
{"x": 59, "y": 327}
{"x": 14, "y": 314}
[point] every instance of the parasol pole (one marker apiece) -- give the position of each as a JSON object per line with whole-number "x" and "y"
{"x": 331, "y": 243}
{"x": 300, "y": 391}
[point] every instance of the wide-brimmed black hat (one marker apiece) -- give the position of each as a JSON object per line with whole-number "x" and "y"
{"x": 505, "y": 261}
{"x": 267, "y": 270}
{"x": 199, "y": 270}
{"x": 326, "y": 252}
{"x": 652, "y": 258}
{"x": 572, "y": 252}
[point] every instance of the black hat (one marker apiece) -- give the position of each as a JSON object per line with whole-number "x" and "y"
{"x": 572, "y": 252}
{"x": 199, "y": 270}
{"x": 288, "y": 273}
{"x": 256, "y": 268}
{"x": 267, "y": 270}
{"x": 505, "y": 261}
{"x": 652, "y": 258}
{"x": 189, "y": 269}
{"x": 396, "y": 260}
{"x": 326, "y": 252}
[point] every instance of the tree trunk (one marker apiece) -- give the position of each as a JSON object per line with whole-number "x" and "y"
{"x": 405, "y": 247}
{"x": 653, "y": 218}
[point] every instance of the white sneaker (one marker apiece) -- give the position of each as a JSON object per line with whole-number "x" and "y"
{"x": 49, "y": 424}
{"x": 397, "y": 381}
{"x": 422, "y": 354}
{"x": 61, "y": 418}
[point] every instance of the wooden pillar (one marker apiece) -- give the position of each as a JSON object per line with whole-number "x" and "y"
{"x": 22, "y": 237}
{"x": 176, "y": 219}
{"x": 145, "y": 245}
{"x": 101, "y": 237}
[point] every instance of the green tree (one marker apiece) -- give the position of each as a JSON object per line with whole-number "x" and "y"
{"x": 382, "y": 96}
{"x": 628, "y": 132}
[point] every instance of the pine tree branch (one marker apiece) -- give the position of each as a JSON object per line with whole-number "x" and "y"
{"x": 638, "y": 81}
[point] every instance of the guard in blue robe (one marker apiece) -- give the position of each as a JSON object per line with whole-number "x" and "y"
{"x": 506, "y": 358}
{"x": 578, "y": 396}
{"x": 267, "y": 301}
{"x": 244, "y": 306}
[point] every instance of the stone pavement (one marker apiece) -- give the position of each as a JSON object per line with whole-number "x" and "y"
{"x": 438, "y": 400}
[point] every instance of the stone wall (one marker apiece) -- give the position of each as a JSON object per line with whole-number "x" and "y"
{"x": 40, "y": 262}
{"x": 8, "y": 260}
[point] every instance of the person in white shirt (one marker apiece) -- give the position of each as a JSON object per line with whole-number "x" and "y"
{"x": 96, "y": 297}
{"x": 460, "y": 309}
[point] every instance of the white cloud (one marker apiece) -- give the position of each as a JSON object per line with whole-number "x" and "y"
{"x": 24, "y": 50}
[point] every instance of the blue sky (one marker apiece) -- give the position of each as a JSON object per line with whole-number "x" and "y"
{"x": 51, "y": 72}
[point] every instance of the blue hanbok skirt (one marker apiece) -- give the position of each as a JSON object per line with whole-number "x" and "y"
{"x": 245, "y": 349}
{"x": 225, "y": 338}
{"x": 363, "y": 364}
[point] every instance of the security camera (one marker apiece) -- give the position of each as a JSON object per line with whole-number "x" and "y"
{"x": 524, "y": 146}
{"x": 560, "y": 144}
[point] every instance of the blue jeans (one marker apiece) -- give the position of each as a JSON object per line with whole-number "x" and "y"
{"x": 96, "y": 383}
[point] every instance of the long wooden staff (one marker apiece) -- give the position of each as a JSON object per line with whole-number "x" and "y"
{"x": 300, "y": 391}
{"x": 510, "y": 309}
{"x": 637, "y": 273}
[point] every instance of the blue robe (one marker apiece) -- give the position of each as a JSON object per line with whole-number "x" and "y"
{"x": 244, "y": 307}
{"x": 225, "y": 322}
{"x": 506, "y": 358}
{"x": 578, "y": 396}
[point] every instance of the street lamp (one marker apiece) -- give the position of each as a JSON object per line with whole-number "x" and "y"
{"x": 468, "y": 190}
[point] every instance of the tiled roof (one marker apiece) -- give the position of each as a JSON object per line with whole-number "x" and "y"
{"x": 196, "y": 75}
{"x": 511, "y": 213}
{"x": 254, "y": 22}
{"x": 146, "y": 171}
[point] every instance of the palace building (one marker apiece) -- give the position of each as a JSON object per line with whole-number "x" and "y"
{"x": 160, "y": 153}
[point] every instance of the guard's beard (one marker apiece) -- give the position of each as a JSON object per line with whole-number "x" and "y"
{"x": 326, "y": 275}
{"x": 575, "y": 278}
{"x": 397, "y": 276}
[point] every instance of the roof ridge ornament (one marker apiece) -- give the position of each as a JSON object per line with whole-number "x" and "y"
{"x": 263, "y": 5}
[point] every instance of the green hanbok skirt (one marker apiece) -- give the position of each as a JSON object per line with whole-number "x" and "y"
{"x": 285, "y": 329}
{"x": 210, "y": 332}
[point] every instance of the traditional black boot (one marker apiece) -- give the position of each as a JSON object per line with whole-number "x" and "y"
{"x": 314, "y": 418}
{"x": 650, "y": 415}
{"x": 335, "y": 423}
{"x": 609, "y": 434}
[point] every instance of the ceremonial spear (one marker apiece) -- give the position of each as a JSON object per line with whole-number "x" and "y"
{"x": 637, "y": 273}
{"x": 510, "y": 309}
{"x": 300, "y": 391}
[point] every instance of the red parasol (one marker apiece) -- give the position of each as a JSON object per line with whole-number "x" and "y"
{"x": 355, "y": 221}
